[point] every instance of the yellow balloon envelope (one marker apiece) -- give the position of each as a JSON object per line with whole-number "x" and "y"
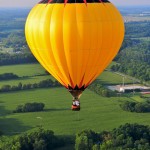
{"x": 74, "y": 40}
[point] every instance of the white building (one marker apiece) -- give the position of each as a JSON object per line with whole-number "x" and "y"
{"x": 129, "y": 88}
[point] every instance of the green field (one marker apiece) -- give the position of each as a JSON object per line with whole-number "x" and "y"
{"x": 97, "y": 113}
{"x": 29, "y": 73}
{"x": 111, "y": 78}
{"x": 23, "y": 70}
{"x": 138, "y": 98}
{"x": 26, "y": 80}
{"x": 147, "y": 95}
{"x": 34, "y": 73}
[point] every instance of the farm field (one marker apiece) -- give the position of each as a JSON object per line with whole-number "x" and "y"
{"x": 26, "y": 80}
{"x": 28, "y": 73}
{"x": 23, "y": 70}
{"x": 34, "y": 73}
{"x": 108, "y": 77}
{"x": 97, "y": 113}
{"x": 147, "y": 95}
{"x": 138, "y": 99}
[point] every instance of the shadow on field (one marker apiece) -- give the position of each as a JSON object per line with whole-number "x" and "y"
{"x": 3, "y": 111}
{"x": 24, "y": 78}
{"x": 10, "y": 126}
{"x": 57, "y": 109}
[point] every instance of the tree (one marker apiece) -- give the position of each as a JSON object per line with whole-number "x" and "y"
{"x": 1, "y": 133}
{"x": 20, "y": 85}
{"x": 19, "y": 109}
{"x": 107, "y": 145}
{"x": 85, "y": 140}
{"x": 96, "y": 147}
{"x": 138, "y": 107}
{"x": 131, "y": 136}
{"x": 5, "y": 88}
{"x": 39, "y": 145}
{"x": 81, "y": 143}
{"x": 30, "y": 107}
{"x": 38, "y": 139}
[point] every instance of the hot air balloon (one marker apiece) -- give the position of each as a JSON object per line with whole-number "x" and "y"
{"x": 74, "y": 40}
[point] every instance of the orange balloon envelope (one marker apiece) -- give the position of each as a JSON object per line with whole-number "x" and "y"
{"x": 74, "y": 40}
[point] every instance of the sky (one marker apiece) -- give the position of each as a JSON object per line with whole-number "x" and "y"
{"x": 31, "y": 3}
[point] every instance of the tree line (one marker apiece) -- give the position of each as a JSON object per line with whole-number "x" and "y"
{"x": 100, "y": 89}
{"x": 132, "y": 29}
{"x": 8, "y": 76}
{"x": 19, "y": 58}
{"x": 133, "y": 58}
{"x": 125, "y": 137}
{"x": 134, "y": 61}
{"x": 12, "y": 19}
{"x": 42, "y": 84}
{"x": 39, "y": 139}
{"x": 30, "y": 107}
{"x": 139, "y": 107}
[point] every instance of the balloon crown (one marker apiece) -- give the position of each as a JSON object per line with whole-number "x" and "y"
{"x": 74, "y": 1}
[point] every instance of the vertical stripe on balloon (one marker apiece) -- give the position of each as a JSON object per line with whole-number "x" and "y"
{"x": 65, "y": 1}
